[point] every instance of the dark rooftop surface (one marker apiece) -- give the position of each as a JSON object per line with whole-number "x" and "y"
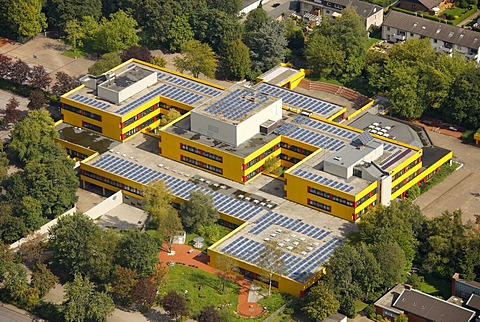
{"x": 431, "y": 308}
{"x": 474, "y": 302}
{"x": 85, "y": 138}
{"x": 432, "y": 154}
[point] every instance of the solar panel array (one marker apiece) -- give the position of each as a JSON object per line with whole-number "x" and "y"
{"x": 321, "y": 140}
{"x": 299, "y": 100}
{"x": 178, "y": 187}
{"x": 365, "y": 137}
{"x": 236, "y": 104}
{"x": 394, "y": 158}
{"x": 165, "y": 90}
{"x": 193, "y": 85}
{"x": 272, "y": 218}
{"x": 322, "y": 180}
{"x": 90, "y": 101}
{"x": 335, "y": 130}
{"x": 298, "y": 268}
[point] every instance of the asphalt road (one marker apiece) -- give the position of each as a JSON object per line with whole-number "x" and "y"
{"x": 12, "y": 314}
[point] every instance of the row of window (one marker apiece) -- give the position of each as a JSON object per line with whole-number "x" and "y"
{"x": 92, "y": 127}
{"x": 262, "y": 156}
{"x": 404, "y": 170}
{"x": 139, "y": 116}
{"x": 289, "y": 158}
{"x": 319, "y": 205}
{"x": 295, "y": 148}
{"x": 201, "y": 152}
{"x": 76, "y": 155}
{"x": 112, "y": 182}
{"x": 367, "y": 196}
{"x": 201, "y": 164}
{"x": 404, "y": 181}
{"x": 82, "y": 112}
{"x": 138, "y": 128}
{"x": 327, "y": 195}
{"x": 252, "y": 174}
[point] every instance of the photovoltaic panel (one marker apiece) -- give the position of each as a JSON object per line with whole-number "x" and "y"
{"x": 178, "y": 187}
{"x": 236, "y": 104}
{"x": 90, "y": 101}
{"x": 322, "y": 126}
{"x": 311, "y": 137}
{"x": 365, "y": 137}
{"x": 212, "y": 91}
{"x": 323, "y": 181}
{"x": 295, "y": 99}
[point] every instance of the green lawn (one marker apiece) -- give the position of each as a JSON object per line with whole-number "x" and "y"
{"x": 373, "y": 38}
{"x": 73, "y": 53}
{"x": 183, "y": 278}
{"x": 436, "y": 287}
{"x": 455, "y": 11}
{"x": 360, "y": 306}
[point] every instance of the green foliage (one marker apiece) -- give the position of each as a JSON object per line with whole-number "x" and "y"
{"x": 61, "y": 11}
{"x": 391, "y": 259}
{"x": 75, "y": 33}
{"x": 81, "y": 247}
{"x": 320, "y": 302}
{"x": 3, "y": 163}
{"x": 210, "y": 22}
{"x": 179, "y": 33}
{"x": 267, "y": 46}
{"x": 123, "y": 283}
{"x": 209, "y": 314}
{"x": 445, "y": 171}
{"x": 171, "y": 115}
{"x": 175, "y": 305}
{"x": 196, "y": 58}
{"x": 160, "y": 61}
{"x": 105, "y": 63}
{"x": 414, "y": 192}
{"x": 43, "y": 279}
{"x": 337, "y": 47}
{"x": 84, "y": 303}
{"x": 236, "y": 62}
{"x": 271, "y": 262}
{"x": 21, "y": 20}
{"x": 231, "y": 7}
{"x": 255, "y": 20}
{"x": 416, "y": 281}
{"x": 198, "y": 211}
{"x": 138, "y": 251}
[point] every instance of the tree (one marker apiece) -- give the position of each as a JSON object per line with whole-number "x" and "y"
{"x": 225, "y": 267}
{"x": 323, "y": 55}
{"x": 19, "y": 72}
{"x": 39, "y": 77}
{"x": 169, "y": 227}
{"x": 137, "y": 52}
{"x": 171, "y": 115}
{"x": 37, "y": 100}
{"x": 11, "y": 113}
{"x": 75, "y": 33}
{"x": 179, "y": 33}
{"x": 84, "y": 303}
{"x": 196, "y": 58}
{"x": 61, "y": 11}
{"x": 271, "y": 262}
{"x": 175, "y": 305}
{"x": 198, "y": 211}
{"x": 236, "y": 63}
{"x": 267, "y": 46}
{"x": 5, "y": 66}
{"x": 209, "y": 314}
{"x": 3, "y": 163}
{"x": 43, "y": 279}
{"x": 64, "y": 83}
{"x": 159, "y": 61}
{"x": 34, "y": 251}
{"x": 22, "y": 19}
{"x": 232, "y": 7}
{"x": 220, "y": 30}
{"x": 391, "y": 259}
{"x": 320, "y": 302}
{"x": 31, "y": 213}
{"x": 255, "y": 19}
{"x": 123, "y": 283}
{"x": 157, "y": 201}
{"x": 118, "y": 33}
{"x": 144, "y": 294}
{"x": 105, "y": 63}
{"x": 138, "y": 251}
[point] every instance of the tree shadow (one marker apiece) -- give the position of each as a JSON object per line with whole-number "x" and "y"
{"x": 156, "y": 315}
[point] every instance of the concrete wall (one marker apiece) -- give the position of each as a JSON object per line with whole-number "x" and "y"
{"x": 105, "y": 206}
{"x": 121, "y": 95}
{"x": 253, "y": 6}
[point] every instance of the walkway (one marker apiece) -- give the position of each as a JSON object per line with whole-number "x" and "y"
{"x": 193, "y": 257}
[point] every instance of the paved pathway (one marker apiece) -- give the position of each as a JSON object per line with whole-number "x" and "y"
{"x": 193, "y": 257}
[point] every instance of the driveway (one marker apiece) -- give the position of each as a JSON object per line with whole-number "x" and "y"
{"x": 460, "y": 190}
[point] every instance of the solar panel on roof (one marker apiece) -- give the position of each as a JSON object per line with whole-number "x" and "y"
{"x": 365, "y": 137}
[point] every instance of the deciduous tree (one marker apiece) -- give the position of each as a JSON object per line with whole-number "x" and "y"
{"x": 255, "y": 19}
{"x": 39, "y": 77}
{"x": 11, "y": 113}
{"x": 105, "y": 63}
{"x": 198, "y": 211}
{"x": 175, "y": 305}
{"x": 270, "y": 260}
{"x": 137, "y": 52}
{"x": 37, "y": 100}
{"x": 19, "y": 72}
{"x": 144, "y": 294}
{"x": 22, "y": 19}
{"x": 64, "y": 83}
{"x": 320, "y": 302}
{"x": 209, "y": 314}
{"x": 160, "y": 61}
{"x": 171, "y": 115}
{"x": 61, "y": 11}
{"x": 232, "y": 7}
{"x": 138, "y": 251}
{"x": 43, "y": 279}
{"x": 75, "y": 33}
{"x": 236, "y": 63}
{"x": 123, "y": 283}
{"x": 5, "y": 66}
{"x": 116, "y": 34}
{"x": 179, "y": 33}
{"x": 196, "y": 58}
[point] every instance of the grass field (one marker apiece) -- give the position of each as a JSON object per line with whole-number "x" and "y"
{"x": 436, "y": 287}
{"x": 205, "y": 289}
{"x": 73, "y": 53}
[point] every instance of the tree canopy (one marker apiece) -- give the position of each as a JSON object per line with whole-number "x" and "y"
{"x": 236, "y": 62}
{"x": 61, "y": 11}
{"x": 23, "y": 19}
{"x": 138, "y": 251}
{"x": 320, "y": 302}
{"x": 198, "y": 211}
{"x": 196, "y": 58}
{"x": 105, "y": 63}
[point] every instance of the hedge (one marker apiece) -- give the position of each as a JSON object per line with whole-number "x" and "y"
{"x": 455, "y": 22}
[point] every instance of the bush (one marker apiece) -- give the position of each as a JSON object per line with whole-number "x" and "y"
{"x": 414, "y": 192}
{"x": 445, "y": 171}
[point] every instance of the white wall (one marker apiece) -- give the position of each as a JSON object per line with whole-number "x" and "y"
{"x": 251, "y": 126}
{"x": 253, "y": 6}
{"x": 116, "y": 97}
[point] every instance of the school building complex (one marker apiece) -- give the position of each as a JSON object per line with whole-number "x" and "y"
{"x": 233, "y": 135}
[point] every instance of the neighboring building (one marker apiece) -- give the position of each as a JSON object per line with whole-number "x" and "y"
{"x": 249, "y": 5}
{"x": 476, "y": 137}
{"x": 420, "y": 307}
{"x": 429, "y": 6}
{"x": 371, "y": 13}
{"x": 229, "y": 134}
{"x": 463, "y": 288}
{"x": 399, "y": 26}
{"x": 282, "y": 76}
{"x": 336, "y": 317}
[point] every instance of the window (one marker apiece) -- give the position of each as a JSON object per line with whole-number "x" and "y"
{"x": 319, "y": 205}
{"x": 92, "y": 127}
{"x": 329, "y": 196}
{"x": 262, "y": 156}
{"x": 201, "y": 152}
{"x": 82, "y": 112}
{"x": 201, "y": 164}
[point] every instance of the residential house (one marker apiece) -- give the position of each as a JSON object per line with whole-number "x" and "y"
{"x": 399, "y": 26}
{"x": 429, "y": 6}
{"x": 420, "y": 307}
{"x": 372, "y": 13}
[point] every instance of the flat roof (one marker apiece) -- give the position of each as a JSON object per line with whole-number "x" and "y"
{"x": 300, "y": 101}
{"x": 312, "y": 237}
{"x": 169, "y": 85}
{"x": 387, "y": 300}
{"x": 126, "y": 77}
{"x": 236, "y": 104}
{"x": 278, "y": 75}
{"x": 85, "y": 138}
